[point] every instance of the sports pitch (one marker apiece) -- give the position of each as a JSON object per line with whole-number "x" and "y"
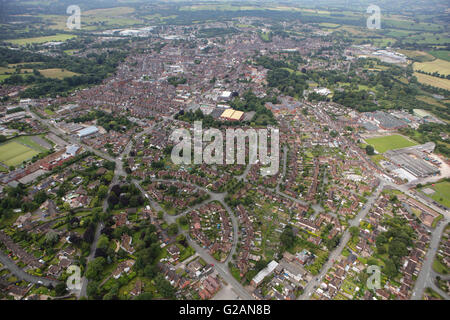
{"x": 13, "y": 153}
{"x": 383, "y": 144}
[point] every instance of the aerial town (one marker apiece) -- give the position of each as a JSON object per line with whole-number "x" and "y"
{"x": 88, "y": 181}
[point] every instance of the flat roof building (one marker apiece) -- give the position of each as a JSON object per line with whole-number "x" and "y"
{"x": 87, "y": 131}
{"x": 264, "y": 272}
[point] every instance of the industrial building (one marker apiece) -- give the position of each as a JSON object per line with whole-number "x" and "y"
{"x": 83, "y": 133}
{"x": 412, "y": 161}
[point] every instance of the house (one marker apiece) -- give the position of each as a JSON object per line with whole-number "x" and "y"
{"x": 137, "y": 290}
{"x": 126, "y": 243}
{"x": 124, "y": 266}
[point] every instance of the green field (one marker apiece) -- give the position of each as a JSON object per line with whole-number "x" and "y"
{"x": 58, "y": 37}
{"x": 441, "y": 193}
{"x": 29, "y": 142}
{"x": 383, "y": 144}
{"x": 57, "y": 73}
{"x": 13, "y": 153}
{"x": 441, "y": 54}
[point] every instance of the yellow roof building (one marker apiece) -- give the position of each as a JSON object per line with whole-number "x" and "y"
{"x": 232, "y": 114}
{"x": 227, "y": 113}
{"x": 237, "y": 115}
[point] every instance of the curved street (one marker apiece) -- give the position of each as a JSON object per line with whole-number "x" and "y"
{"x": 23, "y": 275}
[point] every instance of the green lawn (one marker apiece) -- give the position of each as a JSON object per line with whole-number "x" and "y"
{"x": 383, "y": 144}
{"x": 441, "y": 193}
{"x": 29, "y": 142}
{"x": 13, "y": 153}
{"x": 439, "y": 267}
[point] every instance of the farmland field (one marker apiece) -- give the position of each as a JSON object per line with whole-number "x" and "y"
{"x": 13, "y": 153}
{"x": 438, "y": 65}
{"x": 58, "y": 37}
{"x": 418, "y": 55}
{"x": 110, "y": 12}
{"x": 383, "y": 144}
{"x": 433, "y": 81}
{"x": 430, "y": 100}
{"x": 441, "y": 54}
{"x": 57, "y": 73}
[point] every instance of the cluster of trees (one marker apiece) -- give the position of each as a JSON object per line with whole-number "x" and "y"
{"x": 435, "y": 74}
{"x": 124, "y": 196}
{"x": 290, "y": 83}
{"x": 283, "y": 74}
{"x": 147, "y": 262}
{"x": 370, "y": 150}
{"x": 291, "y": 61}
{"x": 430, "y": 132}
{"x": 216, "y": 32}
{"x": 92, "y": 69}
{"x": 15, "y": 199}
{"x": 361, "y": 100}
{"x": 175, "y": 81}
{"x": 207, "y": 120}
{"x": 248, "y": 102}
{"x": 329, "y": 243}
{"x": 287, "y": 239}
{"x": 106, "y": 120}
{"x": 314, "y": 96}
{"x": 18, "y": 125}
{"x": 387, "y": 91}
{"x": 147, "y": 255}
{"x": 395, "y": 242}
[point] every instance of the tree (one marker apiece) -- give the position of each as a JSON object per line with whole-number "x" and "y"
{"x": 354, "y": 231}
{"x": 370, "y": 150}
{"x": 164, "y": 287}
{"x": 113, "y": 199}
{"x": 89, "y": 234}
{"x": 183, "y": 220}
{"x": 397, "y": 249}
{"x": 95, "y": 268}
{"x": 60, "y": 289}
{"x": 51, "y": 238}
{"x": 40, "y": 197}
{"x": 103, "y": 242}
{"x": 172, "y": 230}
{"x": 102, "y": 192}
{"x": 91, "y": 289}
{"x": 287, "y": 237}
{"x": 390, "y": 269}
{"x": 144, "y": 296}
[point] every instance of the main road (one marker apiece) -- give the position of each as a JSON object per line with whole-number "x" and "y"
{"x": 426, "y": 275}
